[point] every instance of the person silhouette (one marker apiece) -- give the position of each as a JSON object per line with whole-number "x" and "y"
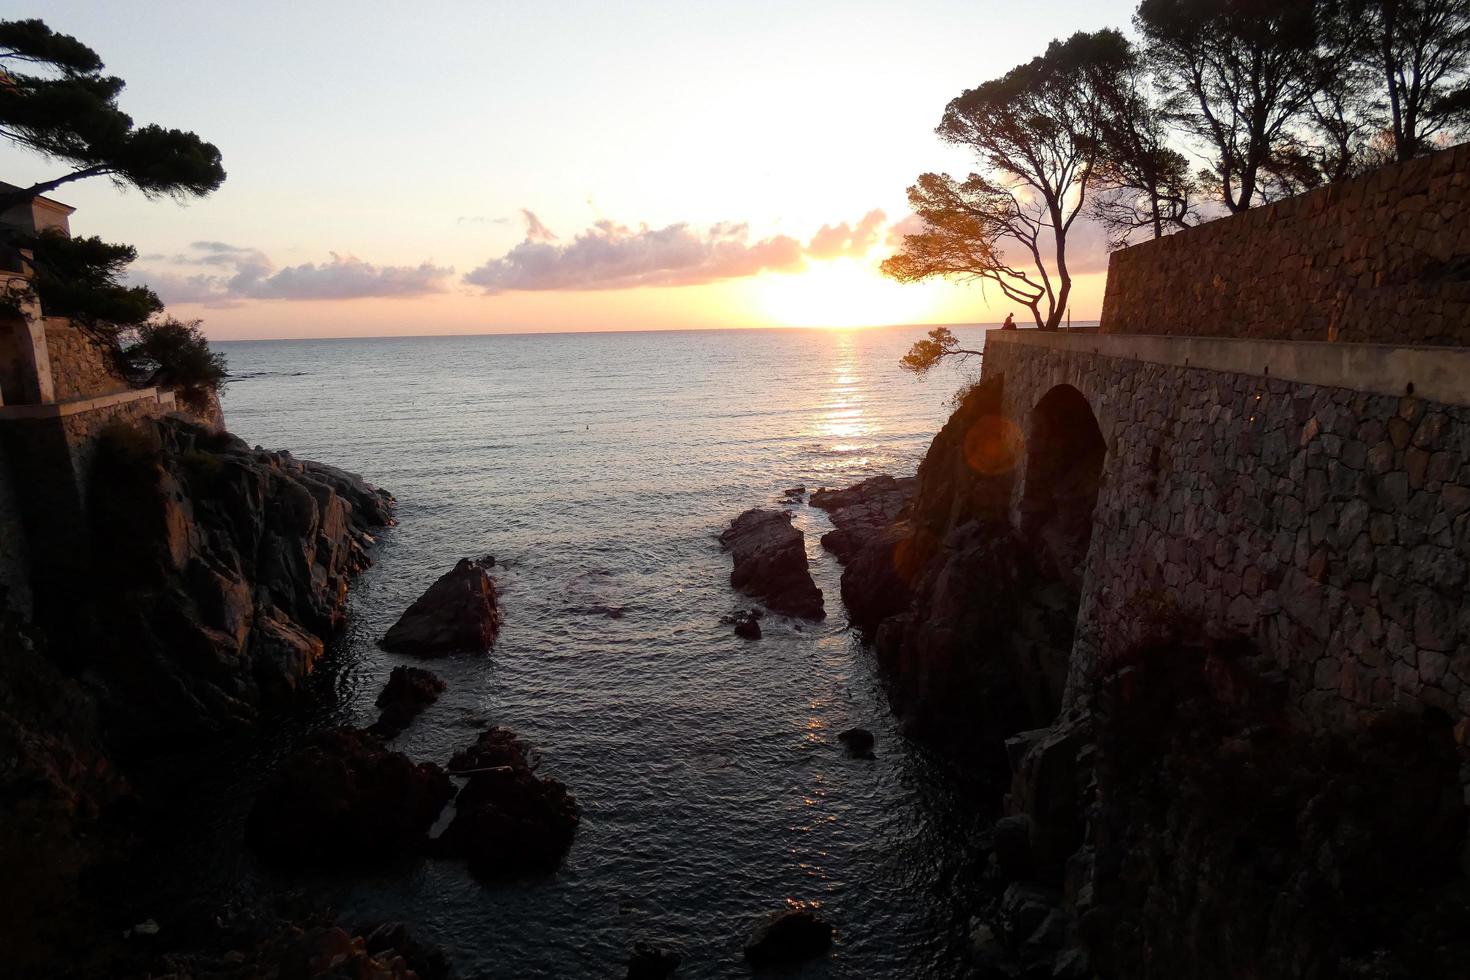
{"x": 1010, "y": 323}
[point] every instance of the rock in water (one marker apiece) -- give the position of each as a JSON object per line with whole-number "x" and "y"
{"x": 345, "y": 799}
{"x": 459, "y": 613}
{"x": 770, "y": 563}
{"x": 863, "y": 512}
{"x": 507, "y": 819}
{"x": 409, "y": 691}
{"x": 858, "y": 741}
{"x": 747, "y": 624}
{"x": 650, "y": 962}
{"x": 789, "y": 938}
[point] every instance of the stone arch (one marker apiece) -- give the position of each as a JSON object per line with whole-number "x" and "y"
{"x": 1065, "y": 450}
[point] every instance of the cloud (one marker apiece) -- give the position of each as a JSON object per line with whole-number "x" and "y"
{"x": 908, "y": 225}
{"x": 480, "y": 219}
{"x": 834, "y": 241}
{"x": 535, "y": 230}
{"x": 614, "y": 256}
{"x": 230, "y": 274}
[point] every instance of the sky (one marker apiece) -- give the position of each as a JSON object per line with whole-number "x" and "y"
{"x": 488, "y": 167}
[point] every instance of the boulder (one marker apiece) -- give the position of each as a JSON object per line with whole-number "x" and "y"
{"x": 769, "y": 556}
{"x": 858, "y": 742}
{"x": 408, "y": 692}
{"x": 507, "y": 819}
{"x": 789, "y": 937}
{"x": 346, "y": 799}
{"x": 459, "y": 613}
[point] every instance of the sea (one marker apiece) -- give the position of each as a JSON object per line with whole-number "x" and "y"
{"x": 598, "y": 468}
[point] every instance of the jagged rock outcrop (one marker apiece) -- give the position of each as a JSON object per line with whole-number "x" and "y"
{"x": 222, "y": 571}
{"x": 345, "y": 799}
{"x": 459, "y": 613}
{"x": 507, "y": 819}
{"x": 862, "y": 512}
{"x": 970, "y": 635}
{"x": 770, "y": 563}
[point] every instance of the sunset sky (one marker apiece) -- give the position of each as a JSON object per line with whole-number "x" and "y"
{"x": 506, "y": 167}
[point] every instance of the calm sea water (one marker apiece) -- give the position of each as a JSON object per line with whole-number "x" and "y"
{"x": 597, "y": 469}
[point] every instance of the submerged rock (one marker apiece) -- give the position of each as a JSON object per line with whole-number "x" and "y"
{"x": 346, "y": 799}
{"x": 507, "y": 819}
{"x": 788, "y": 938}
{"x": 858, "y": 742}
{"x": 458, "y": 613}
{"x": 747, "y": 624}
{"x": 650, "y": 962}
{"x": 770, "y": 563}
{"x": 409, "y": 691}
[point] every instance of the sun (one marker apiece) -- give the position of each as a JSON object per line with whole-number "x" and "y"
{"x": 841, "y": 293}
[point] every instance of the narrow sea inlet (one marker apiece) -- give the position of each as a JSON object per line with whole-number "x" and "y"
{"x": 598, "y": 469}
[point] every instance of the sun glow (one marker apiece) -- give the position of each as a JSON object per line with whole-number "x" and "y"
{"x": 842, "y": 293}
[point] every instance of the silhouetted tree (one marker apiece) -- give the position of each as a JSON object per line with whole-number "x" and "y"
{"x": 1035, "y": 131}
{"x": 1420, "y": 51}
{"x": 1251, "y": 69}
{"x": 926, "y": 353}
{"x": 83, "y": 279}
{"x": 67, "y": 111}
{"x": 1143, "y": 182}
{"x": 173, "y": 353}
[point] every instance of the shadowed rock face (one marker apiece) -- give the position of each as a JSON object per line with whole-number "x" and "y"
{"x": 862, "y": 512}
{"x": 408, "y": 692}
{"x": 458, "y": 614}
{"x": 507, "y": 819}
{"x": 770, "y": 563}
{"x": 226, "y": 570}
{"x": 347, "y": 800}
{"x": 789, "y": 938}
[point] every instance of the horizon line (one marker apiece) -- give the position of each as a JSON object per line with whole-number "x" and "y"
{"x": 564, "y": 333}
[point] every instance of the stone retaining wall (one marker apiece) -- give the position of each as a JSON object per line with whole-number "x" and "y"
{"x": 1384, "y": 258}
{"x": 1332, "y": 526}
{"x": 81, "y": 365}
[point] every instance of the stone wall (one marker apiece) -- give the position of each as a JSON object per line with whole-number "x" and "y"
{"x": 15, "y": 585}
{"x": 81, "y": 365}
{"x": 1331, "y": 526}
{"x": 1384, "y": 258}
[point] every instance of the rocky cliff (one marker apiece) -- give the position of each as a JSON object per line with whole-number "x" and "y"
{"x": 1172, "y": 816}
{"x": 214, "y": 576}
{"x": 223, "y": 571}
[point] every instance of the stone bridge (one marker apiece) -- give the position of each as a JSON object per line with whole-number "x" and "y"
{"x": 1313, "y": 496}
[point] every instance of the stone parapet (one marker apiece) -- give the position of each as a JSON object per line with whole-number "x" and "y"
{"x": 1384, "y": 258}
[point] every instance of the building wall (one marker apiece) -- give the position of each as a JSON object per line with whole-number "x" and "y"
{"x": 1330, "y": 525}
{"x": 1384, "y": 258}
{"x": 81, "y": 365}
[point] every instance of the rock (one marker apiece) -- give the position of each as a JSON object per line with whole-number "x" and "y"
{"x": 459, "y": 613}
{"x": 507, "y": 819}
{"x": 1011, "y": 847}
{"x": 394, "y": 938}
{"x": 789, "y": 937}
{"x": 858, "y": 741}
{"x": 862, "y": 512}
{"x": 794, "y": 493}
{"x": 409, "y": 691}
{"x": 650, "y": 962}
{"x": 345, "y": 799}
{"x": 747, "y": 624}
{"x": 228, "y": 569}
{"x": 770, "y": 563}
